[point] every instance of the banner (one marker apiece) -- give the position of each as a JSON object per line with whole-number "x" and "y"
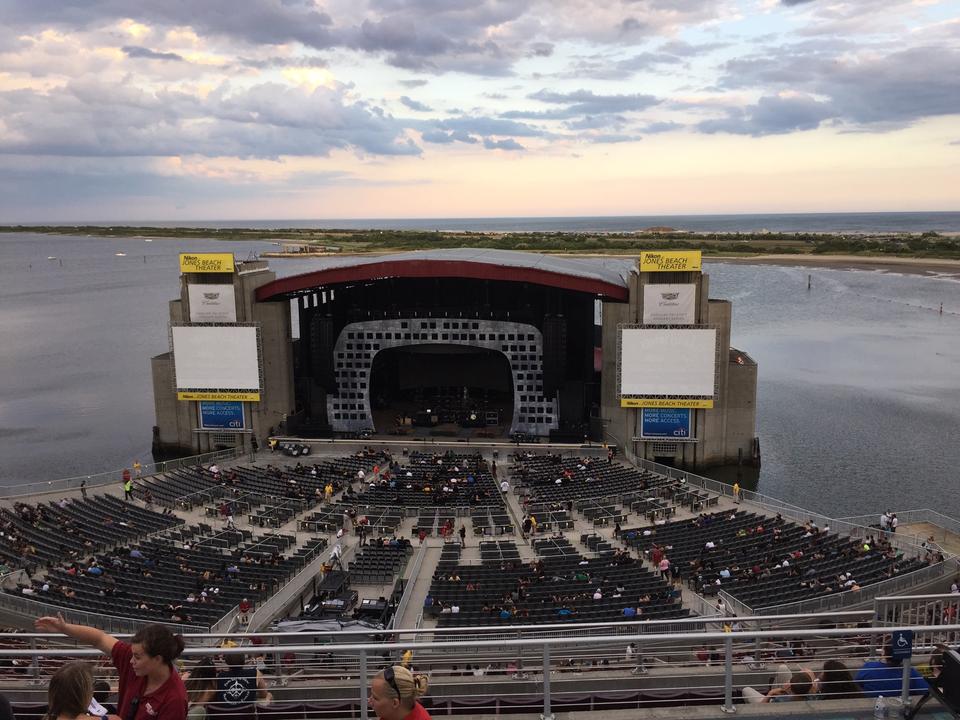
{"x": 220, "y": 415}
{"x": 666, "y": 403}
{"x": 206, "y": 262}
{"x": 212, "y": 303}
{"x": 669, "y": 304}
{"x": 204, "y": 395}
{"x": 665, "y": 423}
{"x": 671, "y": 261}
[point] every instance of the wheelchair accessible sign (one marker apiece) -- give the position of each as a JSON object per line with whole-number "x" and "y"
{"x": 901, "y": 644}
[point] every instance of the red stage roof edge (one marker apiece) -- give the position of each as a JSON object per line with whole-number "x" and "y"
{"x": 438, "y": 268}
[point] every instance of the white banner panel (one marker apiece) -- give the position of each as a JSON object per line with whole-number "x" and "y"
{"x": 216, "y": 358}
{"x": 669, "y": 304}
{"x": 212, "y": 303}
{"x": 668, "y": 362}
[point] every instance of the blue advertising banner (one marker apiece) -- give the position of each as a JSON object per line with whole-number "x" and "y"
{"x": 665, "y": 423}
{"x": 221, "y": 415}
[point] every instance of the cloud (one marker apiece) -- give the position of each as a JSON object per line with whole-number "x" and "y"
{"x": 414, "y": 105}
{"x": 864, "y": 88}
{"x": 612, "y": 138}
{"x": 506, "y": 144}
{"x": 484, "y": 37}
{"x": 412, "y": 84}
{"x": 135, "y": 51}
{"x": 585, "y": 102}
{"x": 771, "y": 116}
{"x": 90, "y": 118}
{"x": 661, "y": 127}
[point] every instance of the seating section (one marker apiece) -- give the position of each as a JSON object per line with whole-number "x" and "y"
{"x": 47, "y": 533}
{"x": 552, "y": 479}
{"x": 379, "y": 562}
{"x": 764, "y": 561}
{"x": 562, "y": 585}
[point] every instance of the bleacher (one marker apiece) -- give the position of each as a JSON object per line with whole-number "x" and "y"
{"x": 555, "y": 479}
{"x": 559, "y": 587}
{"x": 744, "y": 542}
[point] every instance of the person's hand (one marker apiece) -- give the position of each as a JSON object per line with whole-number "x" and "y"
{"x": 51, "y": 624}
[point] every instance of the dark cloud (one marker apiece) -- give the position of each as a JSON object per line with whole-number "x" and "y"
{"x": 268, "y": 63}
{"x": 266, "y": 121}
{"x": 414, "y": 105}
{"x": 488, "y": 126}
{"x": 613, "y": 138}
{"x": 505, "y": 144}
{"x": 484, "y": 37}
{"x": 869, "y": 88}
{"x": 771, "y": 116}
{"x": 660, "y": 127}
{"x": 585, "y": 102}
{"x": 541, "y": 49}
{"x": 135, "y": 51}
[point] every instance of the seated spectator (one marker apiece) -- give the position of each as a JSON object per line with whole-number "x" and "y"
{"x": 885, "y": 677}
{"x": 836, "y": 683}
{"x": 239, "y": 684}
{"x": 201, "y": 684}
{"x": 101, "y": 693}
{"x": 70, "y": 692}
{"x": 800, "y": 685}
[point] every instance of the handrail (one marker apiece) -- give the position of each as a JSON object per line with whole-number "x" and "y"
{"x": 108, "y": 477}
{"x": 279, "y": 600}
{"x": 414, "y": 574}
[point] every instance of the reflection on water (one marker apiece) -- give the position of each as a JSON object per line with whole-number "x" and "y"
{"x": 857, "y": 405}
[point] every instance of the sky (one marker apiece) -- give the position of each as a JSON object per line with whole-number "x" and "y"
{"x": 138, "y": 110}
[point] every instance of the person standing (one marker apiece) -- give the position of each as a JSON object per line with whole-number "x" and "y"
{"x": 150, "y": 687}
{"x": 463, "y": 536}
{"x": 127, "y": 484}
{"x": 137, "y": 468}
{"x": 83, "y": 489}
{"x": 736, "y": 491}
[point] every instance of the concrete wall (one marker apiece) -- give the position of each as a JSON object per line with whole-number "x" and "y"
{"x": 177, "y": 420}
{"x": 724, "y": 433}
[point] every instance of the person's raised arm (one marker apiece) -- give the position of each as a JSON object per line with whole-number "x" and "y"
{"x": 81, "y": 633}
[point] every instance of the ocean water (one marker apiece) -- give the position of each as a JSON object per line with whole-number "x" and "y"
{"x": 858, "y": 399}
{"x": 899, "y": 222}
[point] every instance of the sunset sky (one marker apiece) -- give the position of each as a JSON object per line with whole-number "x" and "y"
{"x": 264, "y": 109}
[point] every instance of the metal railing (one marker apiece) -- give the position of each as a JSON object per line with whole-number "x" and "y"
{"x": 114, "y": 476}
{"x": 910, "y": 517}
{"x": 930, "y": 611}
{"x": 328, "y": 674}
{"x": 280, "y": 600}
{"x": 412, "y": 576}
{"x": 31, "y": 607}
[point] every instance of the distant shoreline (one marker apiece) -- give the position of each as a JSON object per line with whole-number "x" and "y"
{"x": 908, "y": 265}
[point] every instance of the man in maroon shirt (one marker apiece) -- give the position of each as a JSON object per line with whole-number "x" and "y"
{"x": 150, "y": 687}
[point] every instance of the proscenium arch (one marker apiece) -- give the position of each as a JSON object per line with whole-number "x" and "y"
{"x": 349, "y": 410}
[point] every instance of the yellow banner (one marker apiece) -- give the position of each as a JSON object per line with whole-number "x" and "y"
{"x": 671, "y": 261}
{"x": 243, "y": 396}
{"x": 206, "y": 262}
{"x": 695, "y": 403}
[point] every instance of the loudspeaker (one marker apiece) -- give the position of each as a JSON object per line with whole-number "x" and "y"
{"x": 554, "y": 353}
{"x": 322, "y": 342}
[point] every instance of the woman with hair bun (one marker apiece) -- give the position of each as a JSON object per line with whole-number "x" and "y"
{"x": 150, "y": 687}
{"x": 394, "y": 693}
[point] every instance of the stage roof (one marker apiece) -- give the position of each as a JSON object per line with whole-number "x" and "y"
{"x": 605, "y": 277}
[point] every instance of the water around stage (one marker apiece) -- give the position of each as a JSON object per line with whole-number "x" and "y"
{"x": 857, "y": 406}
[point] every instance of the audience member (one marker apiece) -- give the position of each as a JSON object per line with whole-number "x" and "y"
{"x": 150, "y": 687}
{"x": 239, "y": 684}
{"x": 885, "y": 677}
{"x": 836, "y": 683}
{"x": 201, "y": 684}
{"x": 394, "y": 693}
